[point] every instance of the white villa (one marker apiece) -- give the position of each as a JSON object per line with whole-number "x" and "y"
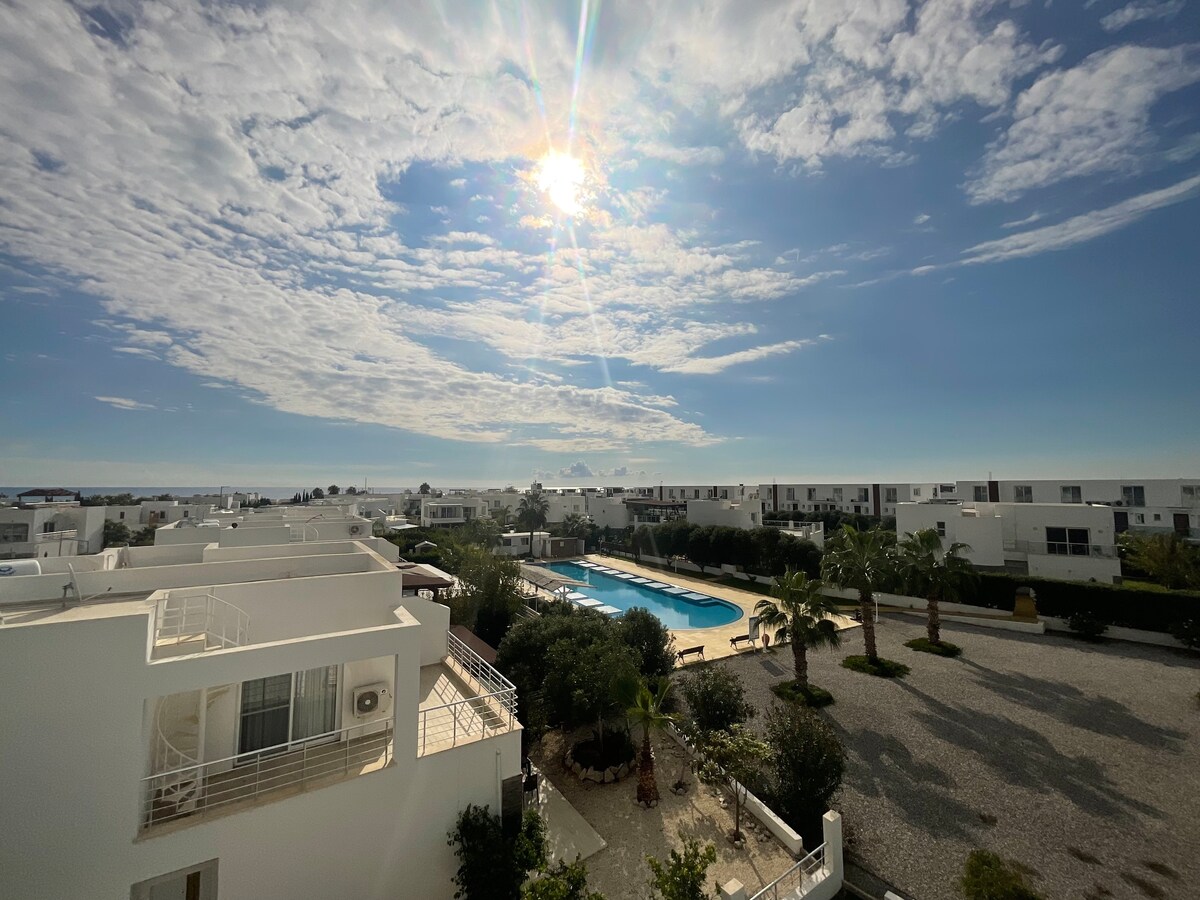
{"x": 249, "y": 715}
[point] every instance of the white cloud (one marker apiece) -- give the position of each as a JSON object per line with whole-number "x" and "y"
{"x": 1091, "y": 118}
{"x": 1028, "y": 220}
{"x": 458, "y": 183}
{"x": 714, "y": 364}
{"x": 138, "y": 351}
{"x": 124, "y": 403}
{"x": 1141, "y": 12}
{"x": 921, "y": 218}
{"x": 463, "y": 237}
{"x": 681, "y": 156}
{"x": 1081, "y": 228}
{"x": 577, "y": 469}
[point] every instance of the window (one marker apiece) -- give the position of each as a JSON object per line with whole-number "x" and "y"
{"x": 791, "y": 493}
{"x": 1157, "y": 517}
{"x": 864, "y": 495}
{"x": 725, "y": 494}
{"x": 14, "y": 533}
{"x": 837, "y": 495}
{"x": 1190, "y": 494}
{"x": 949, "y": 488}
{"x": 672, "y": 494}
{"x": 1071, "y": 493}
{"x": 1068, "y": 541}
{"x": 282, "y": 709}
{"x": 1139, "y": 519}
{"x": 122, "y": 514}
{"x": 941, "y": 529}
{"x": 981, "y": 493}
{"x": 889, "y": 495}
{"x": 193, "y": 883}
{"x": 1133, "y": 495}
{"x": 187, "y": 513}
{"x": 697, "y": 492}
{"x": 1022, "y": 493}
{"x": 916, "y": 492}
{"x": 812, "y": 493}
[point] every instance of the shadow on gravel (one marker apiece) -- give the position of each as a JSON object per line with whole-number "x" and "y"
{"x": 1025, "y": 757}
{"x": 1068, "y": 704}
{"x": 882, "y": 766}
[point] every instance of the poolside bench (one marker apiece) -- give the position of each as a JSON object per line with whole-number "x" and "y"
{"x": 734, "y": 641}
{"x": 698, "y": 650}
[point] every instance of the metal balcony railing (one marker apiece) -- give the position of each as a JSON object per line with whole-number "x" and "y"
{"x": 1058, "y": 548}
{"x": 798, "y": 880}
{"x": 203, "y": 788}
{"x": 492, "y": 711}
{"x": 200, "y": 615}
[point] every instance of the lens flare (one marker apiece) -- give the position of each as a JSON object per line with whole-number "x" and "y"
{"x": 560, "y": 177}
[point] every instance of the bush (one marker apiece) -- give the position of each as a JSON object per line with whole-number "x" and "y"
{"x": 1087, "y": 625}
{"x": 924, "y": 645}
{"x": 563, "y": 882}
{"x": 682, "y": 878}
{"x": 1187, "y": 633}
{"x": 492, "y": 865}
{"x": 650, "y": 640}
{"x": 811, "y": 696}
{"x": 1115, "y": 604}
{"x": 806, "y": 768}
{"x": 882, "y": 668}
{"x": 601, "y": 751}
{"x": 716, "y": 699}
{"x": 988, "y": 877}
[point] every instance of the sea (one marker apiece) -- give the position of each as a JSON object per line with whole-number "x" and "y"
{"x": 183, "y": 493}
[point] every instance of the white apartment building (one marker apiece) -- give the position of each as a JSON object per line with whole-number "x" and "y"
{"x": 47, "y": 530}
{"x": 724, "y": 512}
{"x": 156, "y": 512}
{"x": 1144, "y": 505}
{"x": 231, "y": 723}
{"x": 1074, "y": 542}
{"x": 517, "y": 543}
{"x": 864, "y": 498}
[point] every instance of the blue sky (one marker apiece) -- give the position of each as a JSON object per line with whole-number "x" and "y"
{"x": 281, "y": 244}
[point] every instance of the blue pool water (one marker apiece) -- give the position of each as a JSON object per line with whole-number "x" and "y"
{"x": 678, "y": 611}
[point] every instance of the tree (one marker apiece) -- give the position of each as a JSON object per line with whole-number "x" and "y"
{"x": 926, "y": 570}
{"x": 650, "y": 640}
{"x": 493, "y": 864}
{"x": 115, "y": 533}
{"x": 860, "y": 561}
{"x": 643, "y": 542}
{"x": 716, "y": 699}
{"x": 532, "y": 512}
{"x": 424, "y": 489}
{"x": 317, "y": 494}
{"x": 563, "y": 882}
{"x": 503, "y": 514}
{"x": 1167, "y": 558}
{"x": 683, "y": 877}
{"x": 573, "y": 525}
{"x": 806, "y": 767}
{"x": 333, "y": 490}
{"x": 489, "y": 594}
{"x": 644, "y": 709}
{"x": 733, "y": 758}
{"x": 143, "y": 537}
{"x": 800, "y": 613}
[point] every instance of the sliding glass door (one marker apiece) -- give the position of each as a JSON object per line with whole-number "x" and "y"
{"x": 282, "y": 710}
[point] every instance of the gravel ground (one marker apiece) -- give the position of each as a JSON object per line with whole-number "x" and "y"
{"x": 1079, "y": 760}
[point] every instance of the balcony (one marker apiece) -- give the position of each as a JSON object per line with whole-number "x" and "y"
{"x": 1054, "y": 548}
{"x": 463, "y": 699}
{"x": 195, "y": 621}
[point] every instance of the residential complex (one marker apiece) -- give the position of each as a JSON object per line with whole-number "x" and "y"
{"x": 264, "y": 702}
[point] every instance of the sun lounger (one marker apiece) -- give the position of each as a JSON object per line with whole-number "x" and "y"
{"x": 608, "y": 610}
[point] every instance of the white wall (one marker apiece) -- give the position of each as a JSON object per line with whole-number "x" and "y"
{"x": 984, "y": 533}
{"x": 723, "y": 512}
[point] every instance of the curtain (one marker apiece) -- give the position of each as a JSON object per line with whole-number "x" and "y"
{"x": 314, "y": 709}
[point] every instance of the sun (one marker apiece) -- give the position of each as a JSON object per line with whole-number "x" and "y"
{"x": 560, "y": 176}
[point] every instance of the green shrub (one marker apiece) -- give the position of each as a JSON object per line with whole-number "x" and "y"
{"x": 1087, "y": 625}
{"x": 988, "y": 877}
{"x": 601, "y": 751}
{"x": 881, "y": 668}
{"x": 492, "y": 865}
{"x": 811, "y": 696}
{"x": 1187, "y": 632}
{"x": 716, "y": 699}
{"x": 563, "y": 882}
{"x": 682, "y": 877}
{"x": 924, "y": 645}
{"x": 805, "y": 768}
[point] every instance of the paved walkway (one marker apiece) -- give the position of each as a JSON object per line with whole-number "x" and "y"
{"x": 714, "y": 640}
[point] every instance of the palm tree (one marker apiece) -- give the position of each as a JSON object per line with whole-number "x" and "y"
{"x": 938, "y": 575}
{"x": 574, "y": 525}
{"x": 532, "y": 512}
{"x": 644, "y": 707}
{"x": 502, "y": 514}
{"x": 800, "y": 613}
{"x": 860, "y": 561}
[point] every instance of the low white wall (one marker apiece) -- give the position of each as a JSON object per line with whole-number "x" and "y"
{"x": 215, "y": 553}
{"x": 984, "y": 622}
{"x": 1116, "y": 632}
{"x": 166, "y": 555}
{"x": 254, "y": 536}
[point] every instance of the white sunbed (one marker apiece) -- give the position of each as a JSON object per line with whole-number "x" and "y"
{"x": 587, "y": 565}
{"x": 641, "y": 580}
{"x": 608, "y": 610}
{"x": 656, "y": 585}
{"x": 675, "y": 590}
{"x": 575, "y": 595}
{"x": 695, "y": 596}
{"x": 588, "y": 602}
{"x": 625, "y": 575}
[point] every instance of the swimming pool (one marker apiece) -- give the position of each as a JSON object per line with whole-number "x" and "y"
{"x": 677, "y": 608}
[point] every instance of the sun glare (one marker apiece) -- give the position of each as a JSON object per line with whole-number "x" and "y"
{"x": 560, "y": 177}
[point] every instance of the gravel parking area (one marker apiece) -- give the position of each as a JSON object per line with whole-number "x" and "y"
{"x": 1079, "y": 760}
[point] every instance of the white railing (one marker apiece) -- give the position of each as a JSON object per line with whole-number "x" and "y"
{"x": 492, "y": 711}
{"x": 1062, "y": 548}
{"x": 798, "y": 880}
{"x": 203, "y": 788}
{"x": 180, "y": 616}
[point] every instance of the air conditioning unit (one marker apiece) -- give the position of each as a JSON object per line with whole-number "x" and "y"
{"x": 356, "y": 529}
{"x": 371, "y": 699}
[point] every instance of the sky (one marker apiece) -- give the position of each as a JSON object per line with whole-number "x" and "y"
{"x": 282, "y": 243}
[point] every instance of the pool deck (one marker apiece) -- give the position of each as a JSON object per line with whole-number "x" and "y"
{"x": 714, "y": 640}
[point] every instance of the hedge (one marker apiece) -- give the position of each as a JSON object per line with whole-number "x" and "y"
{"x": 1112, "y": 603}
